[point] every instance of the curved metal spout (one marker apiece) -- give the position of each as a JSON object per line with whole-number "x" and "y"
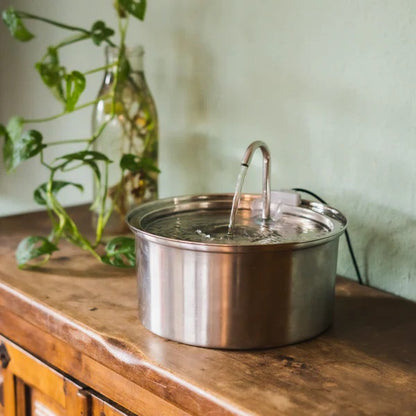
{"x": 245, "y": 161}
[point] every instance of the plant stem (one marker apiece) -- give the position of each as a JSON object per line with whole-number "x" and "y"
{"x": 68, "y": 142}
{"x": 122, "y": 29}
{"x": 87, "y": 104}
{"x": 70, "y": 40}
{"x": 44, "y": 119}
{"x": 100, "y": 221}
{"x": 101, "y": 68}
{"x": 65, "y": 221}
{"x": 42, "y": 161}
{"x": 54, "y": 117}
{"x": 25, "y": 15}
{"x": 101, "y": 129}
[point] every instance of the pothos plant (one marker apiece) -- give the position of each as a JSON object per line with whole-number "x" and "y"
{"x": 21, "y": 144}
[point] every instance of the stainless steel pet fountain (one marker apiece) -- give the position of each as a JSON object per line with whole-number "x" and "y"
{"x": 254, "y": 278}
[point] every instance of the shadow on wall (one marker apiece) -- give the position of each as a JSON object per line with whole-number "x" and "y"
{"x": 384, "y": 241}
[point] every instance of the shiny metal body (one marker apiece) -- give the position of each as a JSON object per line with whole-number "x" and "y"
{"x": 234, "y": 296}
{"x": 245, "y": 161}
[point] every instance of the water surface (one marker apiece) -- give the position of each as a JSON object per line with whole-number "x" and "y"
{"x": 206, "y": 226}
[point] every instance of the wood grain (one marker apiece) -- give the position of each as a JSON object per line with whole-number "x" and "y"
{"x": 21, "y": 398}
{"x": 9, "y": 393}
{"x": 85, "y": 318}
{"x": 32, "y": 372}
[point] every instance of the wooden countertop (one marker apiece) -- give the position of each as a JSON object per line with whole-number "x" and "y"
{"x": 365, "y": 364}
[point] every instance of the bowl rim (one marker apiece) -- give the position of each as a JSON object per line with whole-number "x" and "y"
{"x": 183, "y": 203}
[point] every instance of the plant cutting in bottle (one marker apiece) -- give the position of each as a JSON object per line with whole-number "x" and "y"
{"x": 131, "y": 133}
{"x": 67, "y": 86}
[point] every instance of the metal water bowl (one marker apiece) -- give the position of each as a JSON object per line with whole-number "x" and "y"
{"x": 236, "y": 296}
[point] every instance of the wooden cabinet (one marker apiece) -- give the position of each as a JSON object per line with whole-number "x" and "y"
{"x": 32, "y": 388}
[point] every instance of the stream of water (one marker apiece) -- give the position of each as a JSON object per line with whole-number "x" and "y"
{"x": 237, "y": 197}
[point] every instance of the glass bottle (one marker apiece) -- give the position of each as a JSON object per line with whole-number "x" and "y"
{"x": 131, "y": 127}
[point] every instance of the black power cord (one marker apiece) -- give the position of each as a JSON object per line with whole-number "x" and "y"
{"x": 354, "y": 260}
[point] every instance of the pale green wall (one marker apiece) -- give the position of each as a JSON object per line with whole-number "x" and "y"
{"x": 329, "y": 85}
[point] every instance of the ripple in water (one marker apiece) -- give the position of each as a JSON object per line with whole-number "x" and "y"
{"x": 212, "y": 228}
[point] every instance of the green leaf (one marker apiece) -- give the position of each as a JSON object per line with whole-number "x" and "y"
{"x": 86, "y": 157}
{"x": 15, "y": 25}
{"x": 136, "y": 163}
{"x": 75, "y": 85}
{"x": 100, "y": 32}
{"x": 3, "y": 130}
{"x": 52, "y": 73}
{"x": 135, "y": 8}
{"x": 15, "y": 128}
{"x": 20, "y": 146}
{"x": 120, "y": 252}
{"x": 39, "y": 195}
{"x": 33, "y": 247}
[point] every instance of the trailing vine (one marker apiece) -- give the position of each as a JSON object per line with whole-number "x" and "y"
{"x": 21, "y": 144}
